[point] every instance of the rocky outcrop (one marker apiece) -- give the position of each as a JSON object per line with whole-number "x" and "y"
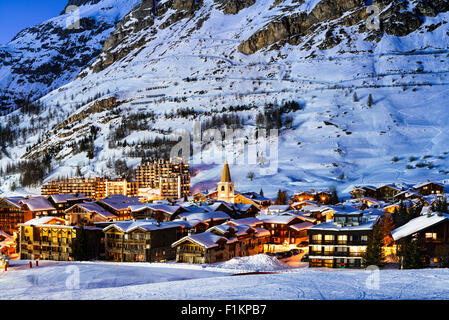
{"x": 97, "y": 107}
{"x": 297, "y": 24}
{"x": 184, "y": 5}
{"x": 234, "y": 6}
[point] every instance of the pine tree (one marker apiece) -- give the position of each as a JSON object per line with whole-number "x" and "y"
{"x": 281, "y": 197}
{"x": 411, "y": 253}
{"x": 355, "y": 97}
{"x": 80, "y": 246}
{"x": 370, "y": 100}
{"x": 386, "y": 227}
{"x": 374, "y": 250}
{"x": 261, "y": 192}
{"x": 334, "y": 197}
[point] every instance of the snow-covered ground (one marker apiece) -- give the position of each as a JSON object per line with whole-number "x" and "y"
{"x": 101, "y": 280}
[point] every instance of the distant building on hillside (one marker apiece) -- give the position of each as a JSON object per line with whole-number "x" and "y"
{"x": 166, "y": 179}
{"x": 93, "y": 188}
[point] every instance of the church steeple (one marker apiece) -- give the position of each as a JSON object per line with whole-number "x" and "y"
{"x": 225, "y": 188}
{"x": 226, "y": 176}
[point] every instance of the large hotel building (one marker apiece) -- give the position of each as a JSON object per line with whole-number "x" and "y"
{"x": 171, "y": 179}
{"x": 161, "y": 179}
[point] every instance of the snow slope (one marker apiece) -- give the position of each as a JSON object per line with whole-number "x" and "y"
{"x": 186, "y": 282}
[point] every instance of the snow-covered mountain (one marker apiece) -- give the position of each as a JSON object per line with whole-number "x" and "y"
{"x": 164, "y": 64}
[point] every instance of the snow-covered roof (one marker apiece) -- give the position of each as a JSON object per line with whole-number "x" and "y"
{"x": 206, "y": 239}
{"x": 93, "y": 207}
{"x": 422, "y": 184}
{"x": 279, "y": 207}
{"x": 205, "y": 216}
{"x": 277, "y": 219}
{"x": 38, "y": 204}
{"x": 156, "y": 207}
{"x": 15, "y": 201}
{"x": 61, "y": 198}
{"x": 332, "y": 226}
{"x": 243, "y": 206}
{"x": 418, "y": 224}
{"x": 120, "y": 202}
{"x": 301, "y": 226}
{"x": 248, "y": 221}
{"x": 41, "y": 221}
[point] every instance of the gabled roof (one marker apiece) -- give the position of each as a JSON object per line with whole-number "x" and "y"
{"x": 93, "y": 207}
{"x": 15, "y": 201}
{"x": 42, "y": 221}
{"x": 61, "y": 198}
{"x": 284, "y": 207}
{"x": 38, "y": 204}
{"x": 418, "y": 224}
{"x": 301, "y": 226}
{"x": 170, "y": 210}
{"x": 119, "y": 202}
{"x": 205, "y": 216}
{"x": 206, "y": 239}
{"x": 277, "y": 219}
{"x": 246, "y": 221}
{"x": 422, "y": 184}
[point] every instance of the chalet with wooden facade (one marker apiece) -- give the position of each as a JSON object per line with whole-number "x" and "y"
{"x": 285, "y": 229}
{"x": 49, "y": 238}
{"x": 429, "y": 188}
{"x": 119, "y": 205}
{"x": 141, "y": 240}
{"x": 221, "y": 243}
{"x": 11, "y": 214}
{"x": 432, "y": 229}
{"x": 87, "y": 214}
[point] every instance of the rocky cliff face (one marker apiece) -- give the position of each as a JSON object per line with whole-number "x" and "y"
{"x": 44, "y": 57}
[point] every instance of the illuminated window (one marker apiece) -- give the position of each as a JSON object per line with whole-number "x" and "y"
{"x": 328, "y": 237}
{"x": 431, "y": 236}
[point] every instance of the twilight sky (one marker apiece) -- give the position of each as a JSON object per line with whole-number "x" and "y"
{"x": 16, "y": 15}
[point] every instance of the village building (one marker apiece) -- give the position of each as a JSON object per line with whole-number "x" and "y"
{"x": 285, "y": 230}
{"x": 121, "y": 187}
{"x": 342, "y": 242}
{"x": 388, "y": 192}
{"x": 276, "y": 209}
{"x": 253, "y": 198}
{"x": 64, "y": 201}
{"x": 364, "y": 191}
{"x": 167, "y": 179}
{"x": 141, "y": 241}
{"x": 432, "y": 229}
{"x": 49, "y": 238}
{"x": 93, "y": 188}
{"x": 119, "y": 205}
{"x": 428, "y": 188}
{"x": 87, "y": 214}
{"x": 225, "y": 189}
{"x": 221, "y": 243}
{"x": 159, "y": 212}
{"x": 37, "y": 206}
{"x": 11, "y": 214}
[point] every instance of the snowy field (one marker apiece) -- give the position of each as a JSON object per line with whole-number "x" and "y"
{"x": 170, "y": 281}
